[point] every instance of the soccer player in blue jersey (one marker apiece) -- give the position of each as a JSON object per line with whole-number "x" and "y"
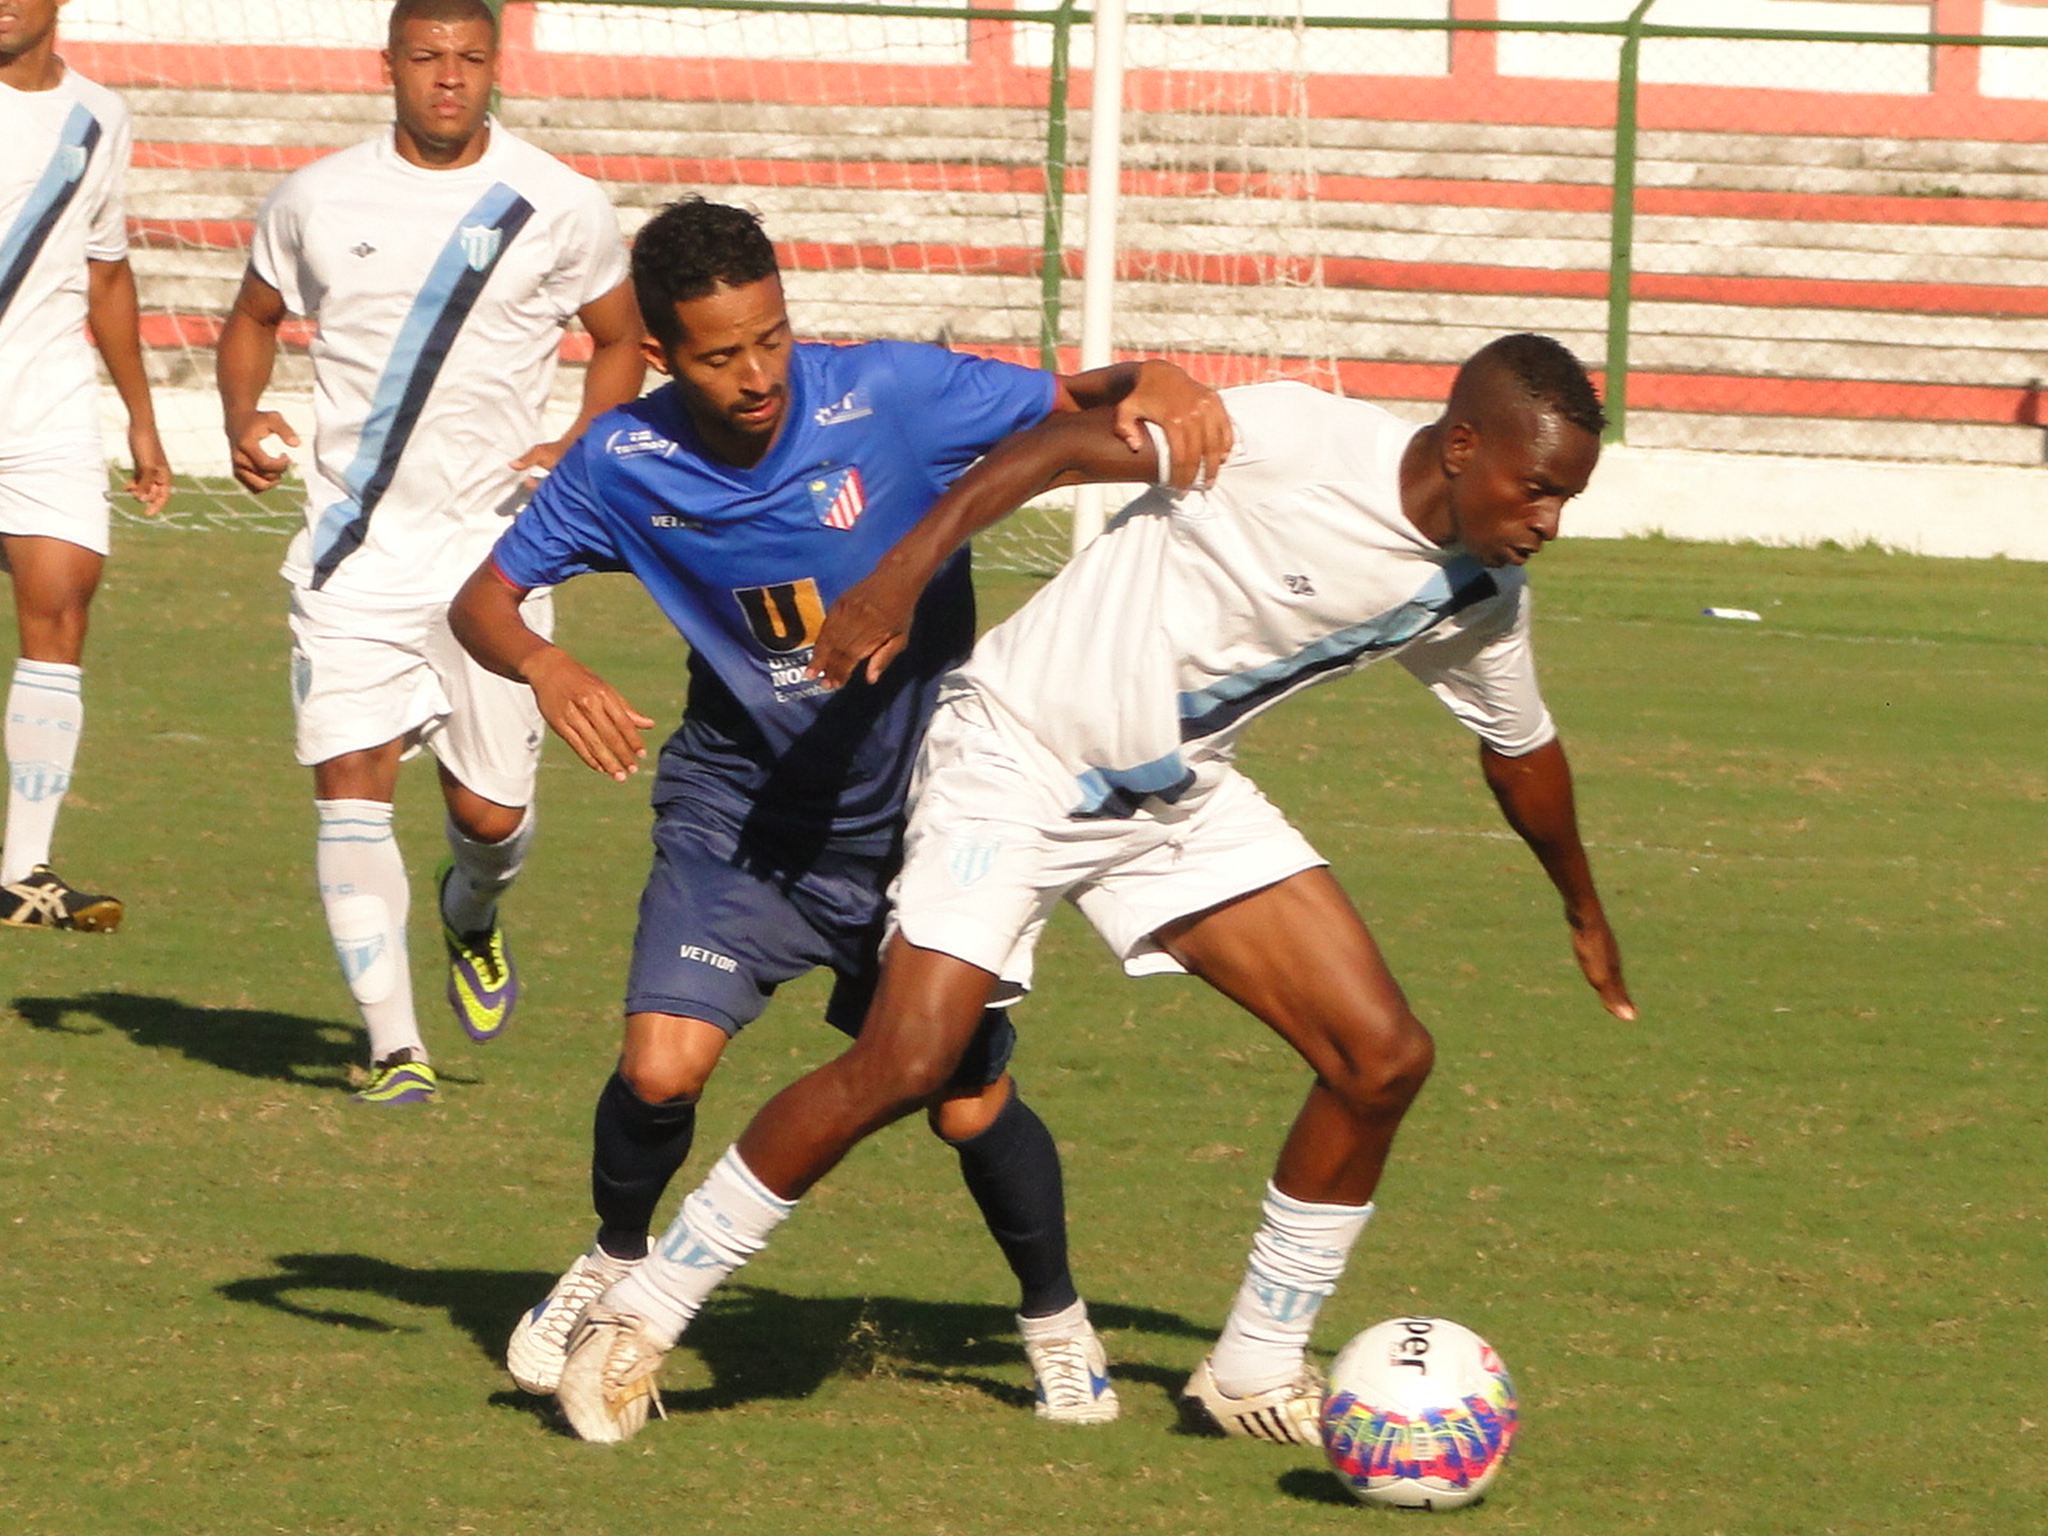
{"x": 762, "y": 481}
{"x": 1085, "y": 753}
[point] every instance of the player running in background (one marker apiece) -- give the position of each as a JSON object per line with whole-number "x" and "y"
{"x": 440, "y": 262}
{"x": 1085, "y": 752}
{"x": 765, "y": 479}
{"x": 63, "y": 265}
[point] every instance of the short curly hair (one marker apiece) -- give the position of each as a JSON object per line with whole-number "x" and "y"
{"x": 689, "y": 249}
{"x": 1547, "y": 374}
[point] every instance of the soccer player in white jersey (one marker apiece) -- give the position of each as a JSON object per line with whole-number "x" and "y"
{"x": 440, "y": 263}
{"x": 1084, "y": 753}
{"x": 63, "y": 264}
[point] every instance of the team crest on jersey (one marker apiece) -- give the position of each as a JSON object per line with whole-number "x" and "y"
{"x": 71, "y": 161}
{"x": 786, "y": 617}
{"x": 838, "y": 497}
{"x": 850, "y": 406}
{"x": 480, "y": 244}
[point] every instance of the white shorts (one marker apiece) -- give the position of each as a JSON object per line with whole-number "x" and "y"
{"x": 364, "y": 676}
{"x": 55, "y": 488}
{"x": 991, "y": 849}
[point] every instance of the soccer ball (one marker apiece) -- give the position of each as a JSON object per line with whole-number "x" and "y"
{"x": 1420, "y": 1414}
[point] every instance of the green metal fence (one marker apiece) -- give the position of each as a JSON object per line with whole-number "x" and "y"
{"x": 2003, "y": 399}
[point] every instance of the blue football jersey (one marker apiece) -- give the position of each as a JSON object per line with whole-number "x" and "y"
{"x": 745, "y": 563}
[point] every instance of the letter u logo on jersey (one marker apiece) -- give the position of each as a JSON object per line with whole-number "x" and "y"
{"x": 480, "y": 244}
{"x": 785, "y": 617}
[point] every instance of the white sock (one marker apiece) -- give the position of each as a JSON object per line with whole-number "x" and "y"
{"x": 1059, "y": 1325}
{"x": 469, "y": 900}
{"x": 1297, "y": 1259}
{"x": 44, "y": 716}
{"x": 724, "y": 1222}
{"x": 362, "y": 885}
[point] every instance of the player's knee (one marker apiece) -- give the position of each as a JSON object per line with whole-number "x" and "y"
{"x": 1381, "y": 1069}
{"x": 901, "y": 1076}
{"x": 656, "y": 1078}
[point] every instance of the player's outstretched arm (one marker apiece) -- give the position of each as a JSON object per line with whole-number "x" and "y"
{"x": 578, "y": 705}
{"x": 870, "y": 623}
{"x": 243, "y": 358}
{"x": 1535, "y": 794}
{"x": 1190, "y": 414}
{"x": 112, "y": 310}
{"x": 616, "y": 370}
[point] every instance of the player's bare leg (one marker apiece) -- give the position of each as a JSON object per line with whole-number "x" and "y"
{"x": 1297, "y": 956}
{"x": 54, "y": 582}
{"x": 925, "y": 1011}
{"x": 924, "y": 1014}
{"x": 487, "y": 846}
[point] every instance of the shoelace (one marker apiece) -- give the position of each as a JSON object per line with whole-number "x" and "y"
{"x": 629, "y": 1370}
{"x": 47, "y": 900}
{"x": 568, "y": 1305}
{"x": 1062, "y": 1366}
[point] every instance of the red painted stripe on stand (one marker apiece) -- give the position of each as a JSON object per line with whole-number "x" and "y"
{"x": 1704, "y": 394}
{"x": 994, "y": 81}
{"x": 1028, "y": 180}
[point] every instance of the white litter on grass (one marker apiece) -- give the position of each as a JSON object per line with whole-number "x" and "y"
{"x": 1733, "y": 613}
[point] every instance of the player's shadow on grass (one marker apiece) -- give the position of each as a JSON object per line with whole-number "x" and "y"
{"x": 256, "y": 1042}
{"x": 757, "y": 1344}
{"x": 481, "y": 1302}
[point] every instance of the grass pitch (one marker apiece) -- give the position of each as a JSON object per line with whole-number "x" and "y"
{"x": 1767, "y": 1261}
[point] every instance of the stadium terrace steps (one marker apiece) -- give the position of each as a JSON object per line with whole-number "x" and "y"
{"x": 1816, "y": 294}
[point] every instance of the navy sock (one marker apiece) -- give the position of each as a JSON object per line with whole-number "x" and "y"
{"x": 637, "y": 1149}
{"x": 1013, "y": 1171}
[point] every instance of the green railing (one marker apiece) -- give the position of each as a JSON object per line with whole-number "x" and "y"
{"x": 1633, "y": 32}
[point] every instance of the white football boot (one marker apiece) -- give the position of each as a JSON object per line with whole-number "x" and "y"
{"x": 1289, "y": 1414}
{"x": 540, "y": 1342}
{"x": 607, "y": 1387}
{"x": 1072, "y": 1373}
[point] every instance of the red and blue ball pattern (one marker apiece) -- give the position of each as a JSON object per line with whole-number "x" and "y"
{"x": 1437, "y": 1456}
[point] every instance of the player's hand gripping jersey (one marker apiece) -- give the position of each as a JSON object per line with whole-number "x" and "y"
{"x": 60, "y": 206}
{"x": 440, "y": 298}
{"x": 745, "y": 562}
{"x": 1139, "y": 664}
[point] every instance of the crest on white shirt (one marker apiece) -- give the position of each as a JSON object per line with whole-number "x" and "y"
{"x": 480, "y": 244}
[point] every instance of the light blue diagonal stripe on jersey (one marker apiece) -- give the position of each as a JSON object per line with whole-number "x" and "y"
{"x": 1455, "y": 586}
{"x": 408, "y": 356}
{"x": 47, "y": 200}
{"x": 1112, "y": 792}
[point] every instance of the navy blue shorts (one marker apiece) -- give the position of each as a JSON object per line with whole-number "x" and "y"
{"x": 723, "y": 925}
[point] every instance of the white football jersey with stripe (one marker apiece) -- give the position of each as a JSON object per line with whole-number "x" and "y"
{"x": 60, "y": 206}
{"x": 439, "y": 298}
{"x": 1137, "y": 667}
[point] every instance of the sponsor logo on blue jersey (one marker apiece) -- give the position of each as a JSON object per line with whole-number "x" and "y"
{"x": 850, "y": 406}
{"x": 784, "y": 618}
{"x": 628, "y": 443}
